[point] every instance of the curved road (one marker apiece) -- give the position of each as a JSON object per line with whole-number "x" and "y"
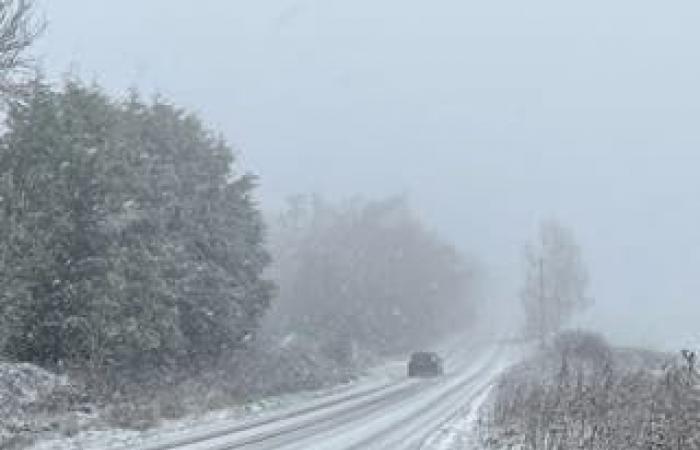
{"x": 402, "y": 414}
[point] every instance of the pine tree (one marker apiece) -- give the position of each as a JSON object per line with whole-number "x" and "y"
{"x": 128, "y": 237}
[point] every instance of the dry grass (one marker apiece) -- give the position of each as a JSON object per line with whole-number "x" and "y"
{"x": 581, "y": 393}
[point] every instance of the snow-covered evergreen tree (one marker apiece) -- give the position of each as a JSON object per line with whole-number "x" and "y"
{"x": 127, "y": 235}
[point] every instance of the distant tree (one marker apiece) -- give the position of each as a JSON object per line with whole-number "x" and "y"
{"x": 366, "y": 274}
{"x": 556, "y": 280}
{"x": 126, "y": 235}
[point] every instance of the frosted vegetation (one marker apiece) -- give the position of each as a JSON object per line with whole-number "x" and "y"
{"x": 579, "y": 392}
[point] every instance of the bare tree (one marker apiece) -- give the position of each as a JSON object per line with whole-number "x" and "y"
{"x": 19, "y": 28}
{"x": 556, "y": 280}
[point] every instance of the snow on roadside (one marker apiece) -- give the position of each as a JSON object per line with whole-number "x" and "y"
{"x": 26, "y": 392}
{"x": 110, "y": 438}
{"x": 22, "y": 383}
{"x": 457, "y": 434}
{"x": 389, "y": 372}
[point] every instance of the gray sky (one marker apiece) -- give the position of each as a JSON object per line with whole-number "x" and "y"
{"x": 491, "y": 115}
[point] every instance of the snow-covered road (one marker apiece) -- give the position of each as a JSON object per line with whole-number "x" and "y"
{"x": 399, "y": 414}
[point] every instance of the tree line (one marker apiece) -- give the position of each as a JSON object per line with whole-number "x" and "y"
{"x": 366, "y": 274}
{"x": 131, "y": 237}
{"x": 126, "y": 234}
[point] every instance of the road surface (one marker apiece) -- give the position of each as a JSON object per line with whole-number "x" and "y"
{"x": 400, "y": 414}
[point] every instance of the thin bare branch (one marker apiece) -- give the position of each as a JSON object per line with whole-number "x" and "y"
{"x": 19, "y": 28}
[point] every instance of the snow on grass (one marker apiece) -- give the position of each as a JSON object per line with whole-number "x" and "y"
{"x": 27, "y": 395}
{"x": 107, "y": 438}
{"x": 22, "y": 383}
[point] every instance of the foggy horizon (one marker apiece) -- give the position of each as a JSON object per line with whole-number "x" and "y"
{"x": 489, "y": 117}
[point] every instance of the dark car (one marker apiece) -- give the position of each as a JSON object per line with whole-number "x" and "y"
{"x": 425, "y": 364}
